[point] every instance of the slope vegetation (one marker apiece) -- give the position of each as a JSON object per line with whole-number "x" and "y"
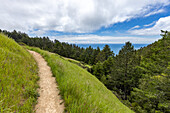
{"x": 81, "y": 91}
{"x": 18, "y": 76}
{"x": 153, "y": 93}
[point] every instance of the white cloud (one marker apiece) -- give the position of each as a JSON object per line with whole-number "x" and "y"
{"x": 70, "y": 15}
{"x": 155, "y": 12}
{"x": 38, "y": 33}
{"x": 93, "y": 39}
{"x": 137, "y": 26}
{"x": 149, "y": 24}
{"x": 161, "y": 24}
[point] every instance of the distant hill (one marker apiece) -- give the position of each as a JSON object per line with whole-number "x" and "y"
{"x": 18, "y": 76}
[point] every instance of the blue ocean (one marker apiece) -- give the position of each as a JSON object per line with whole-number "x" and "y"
{"x": 114, "y": 47}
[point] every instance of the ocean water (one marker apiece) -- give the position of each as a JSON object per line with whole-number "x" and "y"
{"x": 114, "y": 47}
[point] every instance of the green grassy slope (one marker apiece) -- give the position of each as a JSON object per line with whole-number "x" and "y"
{"x": 81, "y": 91}
{"x": 81, "y": 64}
{"x": 18, "y": 76}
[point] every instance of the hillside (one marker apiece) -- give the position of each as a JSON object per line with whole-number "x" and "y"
{"x": 153, "y": 93}
{"x": 18, "y": 76}
{"x": 81, "y": 91}
{"x": 139, "y": 78}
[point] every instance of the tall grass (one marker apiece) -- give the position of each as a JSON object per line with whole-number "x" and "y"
{"x": 81, "y": 64}
{"x": 18, "y": 76}
{"x": 81, "y": 91}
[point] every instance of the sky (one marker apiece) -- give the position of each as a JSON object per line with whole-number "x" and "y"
{"x": 88, "y": 21}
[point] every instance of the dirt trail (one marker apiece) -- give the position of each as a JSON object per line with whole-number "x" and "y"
{"x": 49, "y": 100}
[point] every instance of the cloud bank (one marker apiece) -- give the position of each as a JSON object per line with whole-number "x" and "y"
{"x": 79, "y": 16}
{"x": 94, "y": 39}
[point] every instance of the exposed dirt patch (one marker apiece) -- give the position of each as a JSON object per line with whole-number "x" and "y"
{"x": 49, "y": 100}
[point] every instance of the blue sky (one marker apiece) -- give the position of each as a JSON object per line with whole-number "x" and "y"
{"x": 88, "y": 21}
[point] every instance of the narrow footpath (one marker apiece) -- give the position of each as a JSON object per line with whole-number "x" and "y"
{"x": 49, "y": 100}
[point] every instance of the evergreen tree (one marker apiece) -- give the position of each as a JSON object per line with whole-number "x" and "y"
{"x": 107, "y": 52}
{"x": 108, "y": 65}
{"x": 104, "y": 54}
{"x": 101, "y": 57}
{"x": 122, "y": 76}
{"x": 98, "y": 70}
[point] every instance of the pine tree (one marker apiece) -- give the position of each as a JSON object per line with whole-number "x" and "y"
{"x": 104, "y": 54}
{"x": 107, "y": 52}
{"x": 100, "y": 57}
{"x": 98, "y": 70}
{"x": 122, "y": 76}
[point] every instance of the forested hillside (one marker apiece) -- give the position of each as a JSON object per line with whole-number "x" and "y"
{"x": 153, "y": 91}
{"x": 18, "y": 78}
{"x": 140, "y": 78}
